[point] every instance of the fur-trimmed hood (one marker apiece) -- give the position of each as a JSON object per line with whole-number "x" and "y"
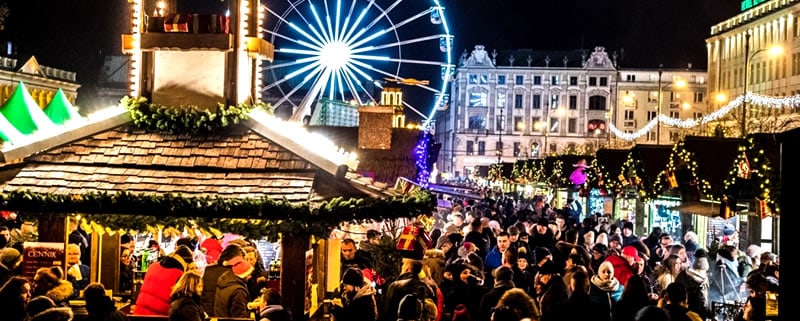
{"x": 61, "y": 293}
{"x": 53, "y": 314}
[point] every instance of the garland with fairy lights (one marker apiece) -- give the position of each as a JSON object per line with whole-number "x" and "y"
{"x": 257, "y": 218}
{"x": 188, "y": 119}
{"x": 495, "y": 172}
{"x": 528, "y": 171}
{"x": 631, "y": 174}
{"x": 681, "y": 158}
{"x": 758, "y": 170}
{"x": 596, "y": 177}
{"x": 555, "y": 178}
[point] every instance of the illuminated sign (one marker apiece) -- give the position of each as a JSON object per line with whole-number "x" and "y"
{"x": 747, "y": 4}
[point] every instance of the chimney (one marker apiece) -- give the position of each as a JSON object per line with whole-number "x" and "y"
{"x": 375, "y": 127}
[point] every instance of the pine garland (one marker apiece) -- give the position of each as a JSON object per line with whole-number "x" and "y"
{"x": 257, "y": 218}
{"x": 188, "y": 119}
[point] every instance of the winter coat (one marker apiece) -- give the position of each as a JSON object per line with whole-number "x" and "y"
{"x": 579, "y": 306}
{"x": 231, "y": 298}
{"x": 357, "y": 305}
{"x": 434, "y": 260}
{"x": 679, "y": 313}
{"x": 78, "y": 285}
{"x": 104, "y": 310}
{"x": 275, "y": 313}
{"x": 622, "y": 270}
{"x": 154, "y": 296}
{"x": 725, "y": 281}
{"x": 186, "y": 308}
{"x": 406, "y": 283}
{"x": 697, "y": 285}
{"x": 53, "y": 314}
{"x": 210, "y": 277}
{"x": 605, "y": 293}
{"x": 490, "y": 299}
{"x": 61, "y": 293}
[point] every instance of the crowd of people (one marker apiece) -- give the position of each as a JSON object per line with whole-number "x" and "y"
{"x": 499, "y": 259}
{"x": 508, "y": 259}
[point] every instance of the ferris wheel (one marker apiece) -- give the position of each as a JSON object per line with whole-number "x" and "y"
{"x": 347, "y": 50}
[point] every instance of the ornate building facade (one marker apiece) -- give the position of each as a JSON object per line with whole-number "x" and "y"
{"x": 524, "y": 104}
{"x": 530, "y": 104}
{"x": 742, "y": 55}
{"x": 42, "y": 82}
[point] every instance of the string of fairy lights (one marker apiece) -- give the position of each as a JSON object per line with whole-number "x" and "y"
{"x": 753, "y": 99}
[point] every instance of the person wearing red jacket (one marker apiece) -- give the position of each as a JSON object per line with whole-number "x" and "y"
{"x": 624, "y": 263}
{"x": 154, "y": 296}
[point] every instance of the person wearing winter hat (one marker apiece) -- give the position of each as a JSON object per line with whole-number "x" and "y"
{"x": 628, "y": 237}
{"x": 154, "y": 296}
{"x": 599, "y": 254}
{"x": 697, "y": 283}
{"x": 615, "y": 243}
{"x": 357, "y": 298}
{"x": 232, "y": 295}
{"x": 10, "y": 259}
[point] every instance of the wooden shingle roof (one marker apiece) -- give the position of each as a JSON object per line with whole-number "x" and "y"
{"x": 237, "y": 149}
{"x": 79, "y": 179}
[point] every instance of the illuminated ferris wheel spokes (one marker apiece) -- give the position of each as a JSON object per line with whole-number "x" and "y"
{"x": 333, "y": 49}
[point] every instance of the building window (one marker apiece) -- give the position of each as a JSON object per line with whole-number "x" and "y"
{"x": 674, "y": 136}
{"x": 651, "y": 136}
{"x": 675, "y": 114}
{"x": 483, "y": 79}
{"x": 651, "y": 115}
{"x": 536, "y": 124}
{"x": 573, "y": 81}
{"x": 553, "y": 124}
{"x": 519, "y": 125}
{"x": 537, "y": 102}
{"x": 501, "y": 100}
{"x": 473, "y": 79}
{"x": 597, "y": 103}
{"x": 516, "y": 149}
{"x": 554, "y": 80}
{"x": 699, "y": 96}
{"x": 518, "y": 101}
{"x": 603, "y": 81}
{"x": 629, "y": 115}
{"x": 573, "y": 102}
{"x": 470, "y": 148}
{"x": 537, "y": 80}
{"x": 518, "y": 80}
{"x": 501, "y": 79}
{"x": 498, "y": 147}
{"x": 572, "y": 125}
{"x": 697, "y": 115}
{"x": 500, "y": 123}
{"x": 477, "y": 122}
{"x": 481, "y": 148}
{"x": 592, "y": 81}
{"x": 630, "y": 78}
{"x": 554, "y": 101}
{"x": 477, "y": 100}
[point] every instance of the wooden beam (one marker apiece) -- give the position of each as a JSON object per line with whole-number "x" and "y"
{"x": 186, "y": 41}
{"x": 293, "y": 273}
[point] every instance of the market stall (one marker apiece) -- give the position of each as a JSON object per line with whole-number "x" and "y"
{"x": 635, "y": 184}
{"x": 603, "y": 190}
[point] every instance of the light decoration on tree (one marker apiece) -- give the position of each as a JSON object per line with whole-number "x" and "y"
{"x": 753, "y": 99}
{"x": 421, "y": 158}
{"x": 760, "y": 173}
{"x": 630, "y": 174}
{"x": 681, "y": 157}
{"x": 601, "y": 177}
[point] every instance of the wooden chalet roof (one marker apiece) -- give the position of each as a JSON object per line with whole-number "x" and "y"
{"x": 239, "y": 163}
{"x": 612, "y": 159}
{"x": 653, "y": 160}
{"x": 713, "y": 156}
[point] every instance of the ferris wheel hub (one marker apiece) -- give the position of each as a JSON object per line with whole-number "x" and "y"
{"x": 335, "y": 55}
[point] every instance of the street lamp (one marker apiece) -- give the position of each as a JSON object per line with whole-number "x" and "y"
{"x": 680, "y": 83}
{"x": 773, "y": 51}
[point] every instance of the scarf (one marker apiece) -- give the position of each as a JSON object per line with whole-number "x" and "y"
{"x": 610, "y": 285}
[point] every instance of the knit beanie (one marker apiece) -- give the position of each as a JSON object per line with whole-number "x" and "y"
{"x": 240, "y": 267}
{"x": 353, "y": 276}
{"x": 539, "y": 253}
{"x": 9, "y": 257}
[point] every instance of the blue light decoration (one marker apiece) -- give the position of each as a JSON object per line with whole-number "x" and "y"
{"x": 421, "y": 158}
{"x": 596, "y": 201}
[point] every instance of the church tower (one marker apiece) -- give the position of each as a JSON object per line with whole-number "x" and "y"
{"x": 392, "y": 97}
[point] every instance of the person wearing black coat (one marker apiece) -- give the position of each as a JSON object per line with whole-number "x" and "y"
{"x": 579, "y": 306}
{"x": 214, "y": 271}
{"x": 502, "y": 283}
{"x": 407, "y": 283}
{"x": 357, "y": 299}
{"x": 99, "y": 306}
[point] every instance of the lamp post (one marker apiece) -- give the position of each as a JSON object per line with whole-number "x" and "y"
{"x": 680, "y": 83}
{"x": 774, "y": 51}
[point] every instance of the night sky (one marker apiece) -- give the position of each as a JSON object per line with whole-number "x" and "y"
{"x": 76, "y": 34}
